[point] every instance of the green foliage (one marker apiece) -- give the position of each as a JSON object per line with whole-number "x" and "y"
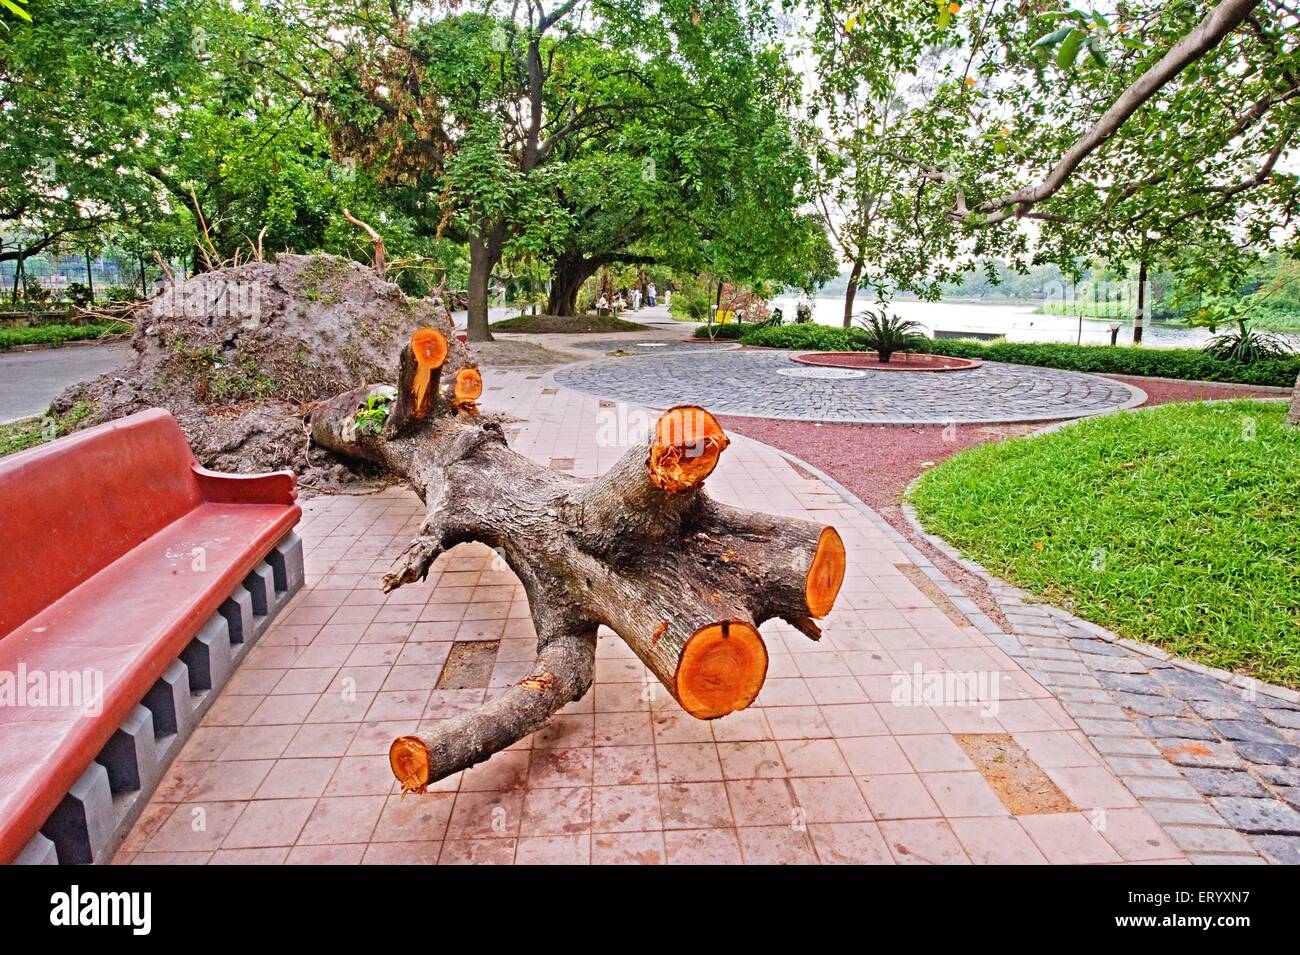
{"x": 885, "y": 334}
{"x": 693, "y": 300}
{"x": 1173, "y": 525}
{"x": 1245, "y": 346}
{"x": 372, "y": 418}
{"x": 730, "y": 332}
{"x": 58, "y": 334}
{"x": 20, "y": 435}
{"x": 806, "y": 336}
{"x": 1188, "y": 364}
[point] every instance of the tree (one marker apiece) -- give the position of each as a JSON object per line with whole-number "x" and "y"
{"x": 1117, "y": 136}
{"x": 77, "y": 97}
{"x": 453, "y": 107}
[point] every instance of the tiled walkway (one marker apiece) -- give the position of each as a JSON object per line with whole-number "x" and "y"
{"x": 828, "y": 766}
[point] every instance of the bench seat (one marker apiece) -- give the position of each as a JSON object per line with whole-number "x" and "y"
{"x": 130, "y": 619}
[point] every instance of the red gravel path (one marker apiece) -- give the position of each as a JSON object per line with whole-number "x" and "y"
{"x": 877, "y": 463}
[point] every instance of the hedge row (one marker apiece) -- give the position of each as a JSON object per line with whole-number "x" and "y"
{"x": 1188, "y": 364}
{"x": 57, "y": 334}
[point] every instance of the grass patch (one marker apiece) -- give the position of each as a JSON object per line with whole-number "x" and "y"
{"x": 1187, "y": 364}
{"x": 20, "y": 435}
{"x": 58, "y": 334}
{"x": 29, "y": 432}
{"x": 565, "y": 325}
{"x": 1175, "y": 525}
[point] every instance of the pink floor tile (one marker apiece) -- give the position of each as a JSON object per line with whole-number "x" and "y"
{"x": 1069, "y": 838}
{"x": 996, "y": 841}
{"x": 923, "y": 842}
{"x": 627, "y": 848}
{"x": 776, "y": 845}
{"x": 898, "y": 796}
{"x": 702, "y": 847}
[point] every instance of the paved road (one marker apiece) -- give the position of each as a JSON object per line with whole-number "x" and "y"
{"x": 30, "y": 380}
{"x": 768, "y": 384}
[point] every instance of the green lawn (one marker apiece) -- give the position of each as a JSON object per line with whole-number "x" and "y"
{"x": 1176, "y": 525}
{"x": 58, "y": 334}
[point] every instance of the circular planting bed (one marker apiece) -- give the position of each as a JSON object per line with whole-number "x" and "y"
{"x": 870, "y": 361}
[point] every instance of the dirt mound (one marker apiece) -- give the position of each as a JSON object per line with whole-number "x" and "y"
{"x": 521, "y": 354}
{"x": 239, "y": 355}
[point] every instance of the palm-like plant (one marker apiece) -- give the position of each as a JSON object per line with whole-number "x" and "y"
{"x": 886, "y": 334}
{"x": 1245, "y": 345}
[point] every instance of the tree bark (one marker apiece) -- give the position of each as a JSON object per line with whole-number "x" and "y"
{"x": 642, "y": 550}
{"x": 566, "y": 281}
{"x": 851, "y": 292}
{"x": 1140, "y": 316}
{"x": 1293, "y": 413}
{"x": 482, "y": 260}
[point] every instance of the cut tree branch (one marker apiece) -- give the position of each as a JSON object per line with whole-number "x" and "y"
{"x": 376, "y": 240}
{"x": 684, "y": 580}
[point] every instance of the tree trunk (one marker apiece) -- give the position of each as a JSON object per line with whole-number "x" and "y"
{"x": 90, "y": 279}
{"x": 1141, "y": 303}
{"x": 481, "y": 263}
{"x": 684, "y": 580}
{"x": 566, "y": 282}
{"x": 851, "y": 292}
{"x": 1293, "y": 413}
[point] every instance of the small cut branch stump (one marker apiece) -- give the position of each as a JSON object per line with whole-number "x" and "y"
{"x": 643, "y": 550}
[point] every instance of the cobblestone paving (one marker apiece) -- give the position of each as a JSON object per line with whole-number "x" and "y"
{"x": 747, "y": 383}
{"x": 1214, "y": 756}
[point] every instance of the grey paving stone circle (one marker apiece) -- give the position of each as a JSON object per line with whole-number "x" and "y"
{"x": 751, "y": 383}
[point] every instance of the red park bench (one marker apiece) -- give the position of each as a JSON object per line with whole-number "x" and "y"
{"x": 128, "y": 568}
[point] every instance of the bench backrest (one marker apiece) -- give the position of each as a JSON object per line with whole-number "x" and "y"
{"x": 70, "y": 508}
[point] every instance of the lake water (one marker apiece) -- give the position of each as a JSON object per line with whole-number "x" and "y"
{"x": 1017, "y": 322}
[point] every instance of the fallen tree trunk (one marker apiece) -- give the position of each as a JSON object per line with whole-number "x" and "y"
{"x": 684, "y": 580}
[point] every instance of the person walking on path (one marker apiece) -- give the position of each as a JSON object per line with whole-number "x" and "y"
{"x": 636, "y": 298}
{"x": 652, "y": 294}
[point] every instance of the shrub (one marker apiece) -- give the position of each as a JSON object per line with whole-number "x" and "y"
{"x": 886, "y": 334}
{"x": 1189, "y": 364}
{"x": 721, "y": 331}
{"x": 1246, "y": 346}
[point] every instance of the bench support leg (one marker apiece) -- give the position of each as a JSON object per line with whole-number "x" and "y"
{"x": 286, "y": 560}
{"x": 173, "y": 712}
{"x": 208, "y": 656}
{"x": 131, "y": 755}
{"x": 82, "y": 825}
{"x": 238, "y": 611}
{"x": 40, "y": 851}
